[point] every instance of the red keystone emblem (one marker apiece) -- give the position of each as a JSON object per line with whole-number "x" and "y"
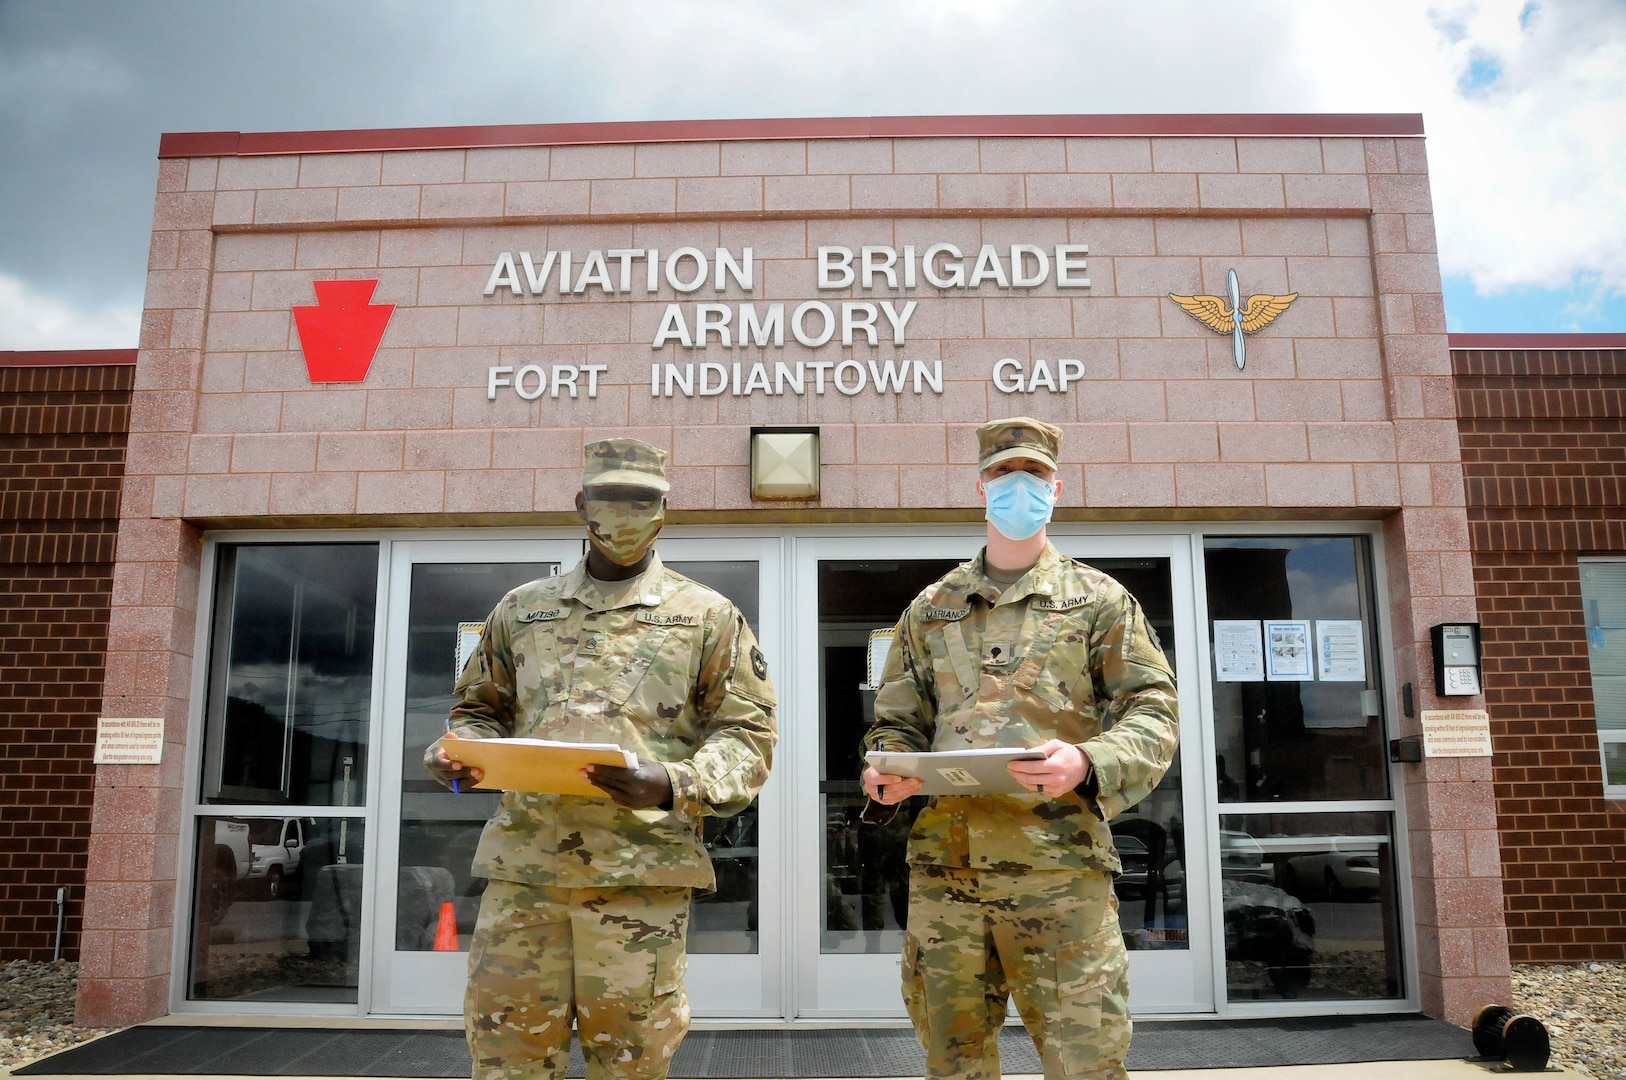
{"x": 341, "y": 331}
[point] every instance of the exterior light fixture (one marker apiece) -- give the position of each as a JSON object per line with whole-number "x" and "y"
{"x": 784, "y": 463}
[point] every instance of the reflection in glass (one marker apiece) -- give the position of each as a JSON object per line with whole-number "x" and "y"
{"x": 1150, "y": 837}
{"x": 1603, "y": 606}
{"x": 290, "y": 674}
{"x": 866, "y": 873}
{"x": 1318, "y": 738}
{"x": 277, "y": 913}
{"x": 866, "y": 897}
{"x": 439, "y": 830}
{"x": 1309, "y": 905}
{"x": 725, "y": 920}
{"x": 1614, "y": 764}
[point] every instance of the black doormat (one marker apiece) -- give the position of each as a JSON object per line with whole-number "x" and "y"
{"x": 761, "y": 1054}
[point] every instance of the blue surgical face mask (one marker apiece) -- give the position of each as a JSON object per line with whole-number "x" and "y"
{"x": 1019, "y": 503}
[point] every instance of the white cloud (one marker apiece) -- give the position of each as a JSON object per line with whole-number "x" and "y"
{"x": 1525, "y": 109}
{"x": 1524, "y": 102}
{"x": 33, "y": 320}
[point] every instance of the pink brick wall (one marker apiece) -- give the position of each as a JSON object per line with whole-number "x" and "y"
{"x": 1345, "y": 404}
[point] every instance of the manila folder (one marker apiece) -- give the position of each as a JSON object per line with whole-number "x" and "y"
{"x": 537, "y": 764}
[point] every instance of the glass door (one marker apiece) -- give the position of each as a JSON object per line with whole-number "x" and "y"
{"x": 852, "y": 899}
{"x": 437, "y": 590}
{"x": 735, "y": 931}
{"x": 439, "y": 594}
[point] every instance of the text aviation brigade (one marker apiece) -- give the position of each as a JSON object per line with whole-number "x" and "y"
{"x": 812, "y": 324}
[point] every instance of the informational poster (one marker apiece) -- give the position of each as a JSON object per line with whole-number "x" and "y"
{"x": 1287, "y": 651}
{"x": 129, "y": 740}
{"x": 1340, "y": 650}
{"x": 468, "y": 639}
{"x": 1456, "y": 733}
{"x": 1239, "y": 651}
{"x": 880, "y": 646}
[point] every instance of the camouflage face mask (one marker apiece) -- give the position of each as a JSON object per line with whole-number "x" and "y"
{"x": 624, "y": 531}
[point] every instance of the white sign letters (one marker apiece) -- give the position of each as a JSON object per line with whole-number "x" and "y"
{"x": 812, "y": 324}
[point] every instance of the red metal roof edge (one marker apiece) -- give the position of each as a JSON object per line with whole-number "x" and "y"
{"x": 67, "y": 357}
{"x": 1537, "y": 341}
{"x": 235, "y": 143}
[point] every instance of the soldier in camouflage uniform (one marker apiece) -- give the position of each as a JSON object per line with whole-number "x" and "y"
{"x": 585, "y": 918}
{"x": 1013, "y": 893}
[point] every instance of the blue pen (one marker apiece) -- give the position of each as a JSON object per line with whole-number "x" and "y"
{"x": 456, "y": 790}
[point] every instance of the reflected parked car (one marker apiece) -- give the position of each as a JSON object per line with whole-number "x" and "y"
{"x": 1347, "y": 869}
{"x": 1135, "y": 858}
{"x": 1242, "y": 858}
{"x": 276, "y": 849}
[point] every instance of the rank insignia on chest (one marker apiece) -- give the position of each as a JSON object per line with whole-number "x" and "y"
{"x": 589, "y": 645}
{"x": 667, "y": 618}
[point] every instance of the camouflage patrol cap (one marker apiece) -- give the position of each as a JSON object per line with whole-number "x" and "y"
{"x": 1017, "y": 437}
{"x": 625, "y": 461}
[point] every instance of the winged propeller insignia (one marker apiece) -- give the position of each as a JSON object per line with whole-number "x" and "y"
{"x": 1236, "y": 318}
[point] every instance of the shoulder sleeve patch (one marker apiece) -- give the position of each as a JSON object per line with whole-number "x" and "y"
{"x": 749, "y": 678}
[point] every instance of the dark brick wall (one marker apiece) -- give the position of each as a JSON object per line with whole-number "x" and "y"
{"x": 62, "y": 437}
{"x": 1544, "y": 463}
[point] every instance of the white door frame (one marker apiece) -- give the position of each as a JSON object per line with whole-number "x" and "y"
{"x": 745, "y": 985}
{"x": 420, "y": 983}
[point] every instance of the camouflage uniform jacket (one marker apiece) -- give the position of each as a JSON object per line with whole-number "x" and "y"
{"x": 660, "y": 664}
{"x": 1064, "y": 653}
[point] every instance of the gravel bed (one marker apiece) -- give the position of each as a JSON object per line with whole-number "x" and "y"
{"x": 36, "y": 1011}
{"x": 1582, "y": 1005}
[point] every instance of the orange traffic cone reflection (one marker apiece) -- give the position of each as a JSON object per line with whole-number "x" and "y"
{"x": 446, "y": 929}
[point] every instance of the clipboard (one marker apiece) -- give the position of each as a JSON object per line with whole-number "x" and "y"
{"x": 957, "y": 772}
{"x": 539, "y": 765}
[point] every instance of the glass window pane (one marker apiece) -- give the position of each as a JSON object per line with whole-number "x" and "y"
{"x": 1614, "y": 764}
{"x": 1603, "y": 604}
{"x": 277, "y": 912}
{"x": 1303, "y": 720}
{"x": 1309, "y": 906}
{"x": 439, "y": 829}
{"x": 866, "y": 875}
{"x": 725, "y": 921}
{"x": 1150, "y": 837}
{"x": 290, "y": 674}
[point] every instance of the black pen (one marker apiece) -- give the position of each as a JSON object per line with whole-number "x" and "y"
{"x": 456, "y": 790}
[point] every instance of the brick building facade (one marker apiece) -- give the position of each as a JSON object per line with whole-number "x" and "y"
{"x": 1342, "y": 430}
{"x": 63, "y": 423}
{"x": 1544, "y": 465}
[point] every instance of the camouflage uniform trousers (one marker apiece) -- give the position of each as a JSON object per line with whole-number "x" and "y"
{"x": 1051, "y": 937}
{"x": 611, "y": 959}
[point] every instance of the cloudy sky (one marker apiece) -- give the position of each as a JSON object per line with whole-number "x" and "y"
{"x": 1524, "y": 103}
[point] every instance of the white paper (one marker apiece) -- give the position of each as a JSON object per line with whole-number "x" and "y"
{"x": 1340, "y": 650}
{"x": 1456, "y": 733}
{"x": 880, "y": 645}
{"x": 468, "y": 639}
{"x": 1239, "y": 651}
{"x": 129, "y": 740}
{"x": 1287, "y": 651}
